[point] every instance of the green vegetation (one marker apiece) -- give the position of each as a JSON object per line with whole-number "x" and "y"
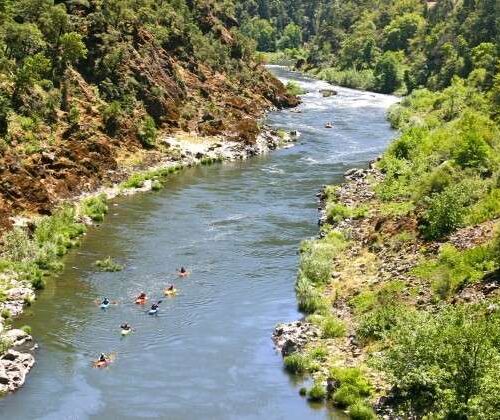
{"x": 352, "y": 386}
{"x": 95, "y": 207}
{"x": 361, "y": 411}
{"x": 454, "y": 358}
{"x": 453, "y": 269}
{"x": 317, "y": 392}
{"x": 446, "y": 163}
{"x": 31, "y": 256}
{"x": 156, "y": 176}
{"x": 108, "y": 265}
{"x": 26, "y": 329}
{"x": 387, "y": 46}
{"x": 295, "y": 89}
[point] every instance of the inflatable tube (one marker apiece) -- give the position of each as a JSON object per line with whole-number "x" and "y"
{"x": 126, "y": 332}
{"x": 104, "y": 306}
{"x": 153, "y": 311}
{"x": 170, "y": 292}
{"x": 141, "y": 301}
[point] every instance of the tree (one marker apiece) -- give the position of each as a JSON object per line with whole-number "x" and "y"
{"x": 387, "y": 73}
{"x": 292, "y": 37}
{"x": 72, "y": 48}
{"x": 262, "y": 32}
{"x": 23, "y": 39}
{"x": 401, "y": 30}
{"x": 33, "y": 69}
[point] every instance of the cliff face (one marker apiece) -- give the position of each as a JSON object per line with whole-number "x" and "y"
{"x": 143, "y": 71}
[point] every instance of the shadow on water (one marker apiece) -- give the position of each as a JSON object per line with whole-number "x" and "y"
{"x": 237, "y": 226}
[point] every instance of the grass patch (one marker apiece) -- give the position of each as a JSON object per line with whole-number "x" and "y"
{"x": 453, "y": 269}
{"x": 353, "y": 386}
{"x": 137, "y": 180}
{"x": 95, "y": 207}
{"x": 337, "y": 212}
{"x": 396, "y": 209}
{"x": 317, "y": 392}
{"x": 361, "y": 411}
{"x": 296, "y": 363}
{"x": 108, "y": 265}
{"x": 293, "y": 88}
{"x": 332, "y": 327}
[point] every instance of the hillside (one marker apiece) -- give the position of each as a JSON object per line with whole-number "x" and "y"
{"x": 86, "y": 85}
{"x": 386, "y": 46}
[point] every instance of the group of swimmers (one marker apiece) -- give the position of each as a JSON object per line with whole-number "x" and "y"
{"x": 104, "y": 360}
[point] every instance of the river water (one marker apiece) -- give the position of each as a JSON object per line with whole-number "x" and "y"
{"x": 237, "y": 226}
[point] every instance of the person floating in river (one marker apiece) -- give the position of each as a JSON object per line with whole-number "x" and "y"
{"x": 125, "y": 327}
{"x": 141, "y": 299}
{"x": 155, "y": 306}
{"x": 102, "y": 358}
{"x": 182, "y": 272}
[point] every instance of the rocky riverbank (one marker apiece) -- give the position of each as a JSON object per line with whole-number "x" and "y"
{"x": 183, "y": 151}
{"x": 366, "y": 263}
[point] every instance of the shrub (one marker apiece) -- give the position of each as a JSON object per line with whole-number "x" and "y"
{"x": 296, "y": 363}
{"x": 303, "y": 391}
{"x": 108, "y": 265}
{"x": 332, "y": 328}
{"x": 309, "y": 298}
{"x": 361, "y": 411}
{"x": 147, "y": 132}
{"x": 376, "y": 323}
{"x": 293, "y": 88}
{"x": 112, "y": 115}
{"x": 346, "y": 396}
{"x": 95, "y": 207}
{"x": 317, "y": 392}
{"x": 453, "y": 269}
{"x": 26, "y": 329}
{"x": 445, "y": 364}
{"x": 5, "y": 314}
{"x": 445, "y": 212}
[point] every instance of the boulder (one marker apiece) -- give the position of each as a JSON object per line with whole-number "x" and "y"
{"x": 328, "y": 92}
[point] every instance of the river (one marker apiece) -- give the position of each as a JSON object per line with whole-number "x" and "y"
{"x": 237, "y": 226}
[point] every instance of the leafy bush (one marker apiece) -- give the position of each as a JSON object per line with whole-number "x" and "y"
{"x": 346, "y": 395}
{"x": 453, "y": 269}
{"x": 361, "y": 411}
{"x": 95, "y": 207}
{"x": 293, "y": 88}
{"x": 332, "y": 328}
{"x": 444, "y": 365}
{"x": 317, "y": 392}
{"x": 356, "y": 79}
{"x": 296, "y": 363}
{"x": 147, "y": 132}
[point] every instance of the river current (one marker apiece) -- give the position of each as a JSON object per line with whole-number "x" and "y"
{"x": 237, "y": 227}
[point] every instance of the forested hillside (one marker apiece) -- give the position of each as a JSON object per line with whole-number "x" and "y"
{"x": 387, "y": 46}
{"x": 84, "y": 80}
{"x": 403, "y": 285}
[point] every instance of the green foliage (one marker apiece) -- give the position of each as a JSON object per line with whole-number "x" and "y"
{"x": 453, "y": 269}
{"x": 361, "y": 411}
{"x": 317, "y": 392}
{"x": 387, "y": 73}
{"x": 353, "y": 386}
{"x": 108, "y": 265}
{"x": 296, "y": 363}
{"x": 26, "y": 329}
{"x": 444, "y": 365}
{"x": 332, "y": 328}
{"x": 95, "y": 207}
{"x": 147, "y": 132}
{"x": 293, "y": 88}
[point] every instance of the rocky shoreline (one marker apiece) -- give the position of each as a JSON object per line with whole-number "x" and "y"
{"x": 382, "y": 249}
{"x": 18, "y": 359}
